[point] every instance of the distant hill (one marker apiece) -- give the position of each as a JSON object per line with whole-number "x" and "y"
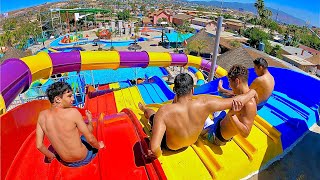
{"x": 282, "y": 16}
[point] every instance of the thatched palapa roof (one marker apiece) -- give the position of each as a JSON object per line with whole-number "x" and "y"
{"x": 245, "y": 57}
{"x": 203, "y": 36}
{"x": 13, "y": 53}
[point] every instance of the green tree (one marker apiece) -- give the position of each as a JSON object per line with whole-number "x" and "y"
{"x": 256, "y": 36}
{"x": 198, "y": 46}
{"x": 264, "y": 14}
{"x": 235, "y": 43}
{"x": 276, "y": 52}
{"x": 124, "y": 15}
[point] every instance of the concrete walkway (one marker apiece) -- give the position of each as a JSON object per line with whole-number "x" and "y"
{"x": 302, "y": 162}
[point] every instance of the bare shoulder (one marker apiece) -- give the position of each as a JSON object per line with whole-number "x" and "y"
{"x": 42, "y": 114}
{"x": 259, "y": 79}
{"x": 165, "y": 108}
{"x": 251, "y": 106}
{"x": 72, "y": 111}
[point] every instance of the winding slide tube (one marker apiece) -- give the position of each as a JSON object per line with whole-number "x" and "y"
{"x": 17, "y": 75}
{"x": 198, "y": 74}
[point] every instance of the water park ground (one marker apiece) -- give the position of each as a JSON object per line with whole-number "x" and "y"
{"x": 302, "y": 162}
{"x": 146, "y": 45}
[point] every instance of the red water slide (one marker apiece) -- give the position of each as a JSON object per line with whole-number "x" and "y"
{"x": 122, "y": 158}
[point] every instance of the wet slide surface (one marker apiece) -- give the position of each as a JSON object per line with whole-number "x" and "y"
{"x": 123, "y": 157}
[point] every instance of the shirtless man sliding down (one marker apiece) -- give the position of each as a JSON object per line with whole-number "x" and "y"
{"x": 179, "y": 125}
{"x": 62, "y": 124}
{"x": 263, "y": 84}
{"x": 228, "y": 125}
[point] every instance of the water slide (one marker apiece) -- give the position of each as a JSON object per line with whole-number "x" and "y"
{"x": 123, "y": 152}
{"x": 199, "y": 161}
{"x": 21, "y": 73}
{"x": 198, "y": 74}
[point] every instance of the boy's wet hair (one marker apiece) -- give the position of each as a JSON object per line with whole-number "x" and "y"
{"x": 261, "y": 62}
{"x": 57, "y": 89}
{"x": 238, "y": 71}
{"x": 183, "y": 84}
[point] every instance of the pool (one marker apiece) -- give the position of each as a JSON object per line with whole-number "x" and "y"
{"x": 105, "y": 43}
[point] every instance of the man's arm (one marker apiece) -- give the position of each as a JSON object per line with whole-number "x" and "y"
{"x": 224, "y": 91}
{"x": 158, "y": 131}
{"x": 213, "y": 103}
{"x": 89, "y": 116}
{"x": 244, "y": 126}
{"x": 39, "y": 141}
{"x": 83, "y": 128}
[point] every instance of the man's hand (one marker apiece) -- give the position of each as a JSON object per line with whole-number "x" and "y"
{"x": 101, "y": 145}
{"x": 51, "y": 158}
{"x": 150, "y": 155}
{"x": 237, "y": 105}
{"x": 89, "y": 115}
{"x": 220, "y": 85}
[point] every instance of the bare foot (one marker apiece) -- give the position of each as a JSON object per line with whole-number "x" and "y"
{"x": 141, "y": 106}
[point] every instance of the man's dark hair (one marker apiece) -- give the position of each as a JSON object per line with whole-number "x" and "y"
{"x": 57, "y": 89}
{"x": 183, "y": 84}
{"x": 238, "y": 71}
{"x": 261, "y": 62}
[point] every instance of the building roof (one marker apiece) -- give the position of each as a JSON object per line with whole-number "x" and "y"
{"x": 314, "y": 59}
{"x": 207, "y": 38}
{"x": 146, "y": 20}
{"x": 309, "y": 49}
{"x": 12, "y": 53}
{"x": 297, "y": 51}
{"x": 245, "y": 56}
{"x": 234, "y": 24}
{"x": 175, "y": 37}
{"x": 298, "y": 60}
{"x": 202, "y": 20}
{"x": 233, "y": 20}
{"x": 182, "y": 16}
{"x": 197, "y": 27}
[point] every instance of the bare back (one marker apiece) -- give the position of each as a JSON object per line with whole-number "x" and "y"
{"x": 184, "y": 123}
{"x": 60, "y": 128}
{"x": 264, "y": 86}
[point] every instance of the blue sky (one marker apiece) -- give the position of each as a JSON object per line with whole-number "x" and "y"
{"x": 308, "y": 10}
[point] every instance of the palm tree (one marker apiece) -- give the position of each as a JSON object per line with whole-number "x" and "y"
{"x": 199, "y": 45}
{"x": 264, "y": 14}
{"x": 259, "y": 5}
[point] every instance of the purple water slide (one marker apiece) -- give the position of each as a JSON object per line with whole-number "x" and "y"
{"x": 16, "y": 75}
{"x": 134, "y": 59}
{"x": 206, "y": 65}
{"x": 15, "y": 79}
{"x": 65, "y": 62}
{"x": 178, "y": 59}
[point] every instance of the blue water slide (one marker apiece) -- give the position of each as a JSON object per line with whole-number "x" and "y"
{"x": 160, "y": 93}
{"x": 145, "y": 95}
{"x": 163, "y": 86}
{"x": 288, "y": 116}
{"x": 164, "y": 71}
{"x": 291, "y": 109}
{"x": 153, "y": 94}
{"x": 307, "y": 92}
{"x": 124, "y": 84}
{"x": 211, "y": 87}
